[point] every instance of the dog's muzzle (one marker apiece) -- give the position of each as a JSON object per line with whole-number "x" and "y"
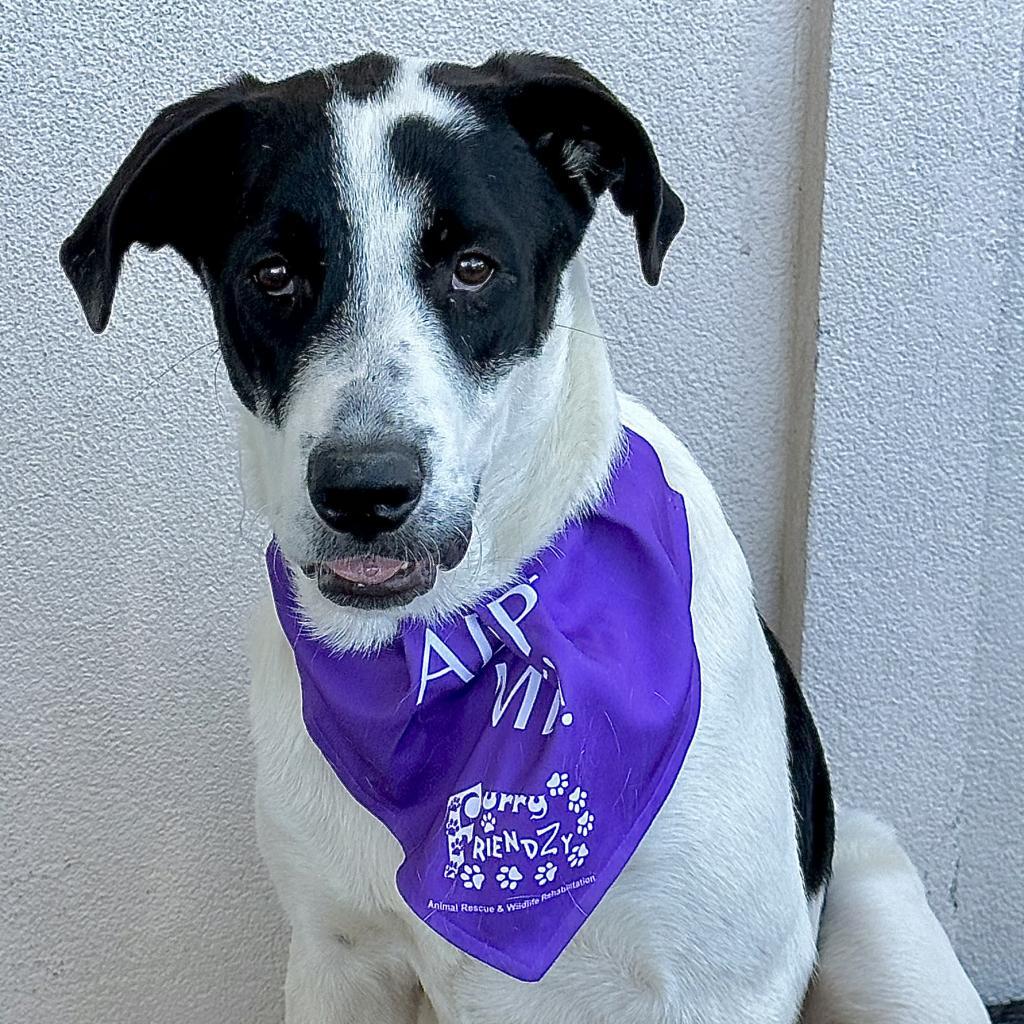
{"x": 365, "y": 494}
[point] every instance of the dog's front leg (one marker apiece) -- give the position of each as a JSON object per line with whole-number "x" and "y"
{"x": 332, "y": 981}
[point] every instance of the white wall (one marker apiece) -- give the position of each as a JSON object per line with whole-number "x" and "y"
{"x": 915, "y": 579}
{"x": 128, "y": 871}
{"x": 130, "y": 887}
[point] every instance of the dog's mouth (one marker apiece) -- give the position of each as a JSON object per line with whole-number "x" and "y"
{"x": 379, "y": 581}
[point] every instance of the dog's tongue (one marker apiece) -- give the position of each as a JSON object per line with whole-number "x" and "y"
{"x": 367, "y": 568}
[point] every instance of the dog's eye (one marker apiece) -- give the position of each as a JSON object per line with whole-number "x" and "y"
{"x": 472, "y": 271}
{"x": 274, "y": 277}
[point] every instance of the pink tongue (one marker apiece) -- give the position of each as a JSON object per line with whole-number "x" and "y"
{"x": 367, "y": 569}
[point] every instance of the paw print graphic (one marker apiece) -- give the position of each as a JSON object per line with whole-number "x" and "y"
{"x": 577, "y": 800}
{"x": 558, "y": 783}
{"x": 545, "y": 873}
{"x": 451, "y": 871}
{"x": 577, "y": 855}
{"x": 458, "y": 845}
{"x": 509, "y": 877}
{"x": 472, "y": 877}
{"x": 585, "y": 823}
{"x": 487, "y": 822}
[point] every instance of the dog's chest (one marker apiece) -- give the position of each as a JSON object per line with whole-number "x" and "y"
{"x": 713, "y": 891}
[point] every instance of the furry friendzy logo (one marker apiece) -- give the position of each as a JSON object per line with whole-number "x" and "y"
{"x": 498, "y": 841}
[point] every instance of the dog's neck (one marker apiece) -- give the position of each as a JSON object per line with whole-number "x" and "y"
{"x": 561, "y": 434}
{"x": 550, "y": 460}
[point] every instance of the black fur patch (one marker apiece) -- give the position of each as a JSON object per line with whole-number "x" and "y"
{"x": 565, "y": 113}
{"x": 1008, "y": 1013}
{"x": 486, "y": 192}
{"x": 808, "y": 776}
{"x": 229, "y": 177}
{"x": 366, "y": 76}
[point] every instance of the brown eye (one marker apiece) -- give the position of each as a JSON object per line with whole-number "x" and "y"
{"x": 472, "y": 271}
{"x": 275, "y": 277}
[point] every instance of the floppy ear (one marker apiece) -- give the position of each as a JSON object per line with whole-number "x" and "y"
{"x": 159, "y": 196}
{"x": 591, "y": 143}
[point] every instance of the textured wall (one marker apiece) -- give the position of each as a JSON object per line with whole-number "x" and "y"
{"x": 130, "y": 886}
{"x": 915, "y": 595}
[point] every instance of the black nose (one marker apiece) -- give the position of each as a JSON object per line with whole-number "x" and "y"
{"x": 364, "y": 489}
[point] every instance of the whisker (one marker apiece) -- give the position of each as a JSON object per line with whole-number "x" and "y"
{"x": 579, "y": 330}
{"x": 152, "y": 383}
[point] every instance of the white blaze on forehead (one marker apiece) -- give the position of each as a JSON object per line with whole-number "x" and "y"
{"x": 383, "y": 212}
{"x": 387, "y": 320}
{"x": 362, "y": 125}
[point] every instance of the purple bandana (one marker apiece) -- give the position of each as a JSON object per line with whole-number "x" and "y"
{"x": 520, "y": 752}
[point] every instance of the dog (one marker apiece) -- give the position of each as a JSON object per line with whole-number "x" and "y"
{"x": 390, "y": 248}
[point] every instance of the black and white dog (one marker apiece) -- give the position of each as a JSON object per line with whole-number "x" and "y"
{"x": 390, "y": 249}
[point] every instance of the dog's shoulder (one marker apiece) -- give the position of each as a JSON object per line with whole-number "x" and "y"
{"x": 730, "y": 603}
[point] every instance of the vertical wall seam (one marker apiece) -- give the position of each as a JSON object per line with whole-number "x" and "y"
{"x": 802, "y": 352}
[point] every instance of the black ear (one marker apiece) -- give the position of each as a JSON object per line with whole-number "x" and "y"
{"x": 161, "y": 195}
{"x": 591, "y": 143}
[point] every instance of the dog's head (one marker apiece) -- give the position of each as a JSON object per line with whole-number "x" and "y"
{"x": 383, "y": 244}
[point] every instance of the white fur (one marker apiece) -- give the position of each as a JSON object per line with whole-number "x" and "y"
{"x": 708, "y": 922}
{"x": 884, "y": 956}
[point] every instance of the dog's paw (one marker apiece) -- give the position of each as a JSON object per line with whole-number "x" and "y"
{"x": 585, "y": 823}
{"x": 558, "y": 783}
{"x": 545, "y": 874}
{"x": 577, "y": 855}
{"x": 472, "y": 877}
{"x": 577, "y": 800}
{"x": 509, "y": 877}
